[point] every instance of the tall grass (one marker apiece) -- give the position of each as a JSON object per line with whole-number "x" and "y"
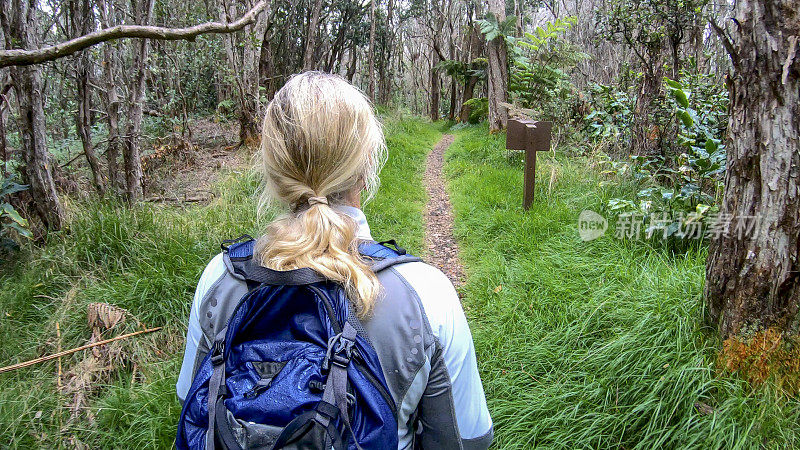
{"x": 595, "y": 344}
{"x": 146, "y": 260}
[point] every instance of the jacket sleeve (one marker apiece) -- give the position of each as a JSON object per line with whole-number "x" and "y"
{"x": 196, "y": 343}
{"x": 452, "y": 412}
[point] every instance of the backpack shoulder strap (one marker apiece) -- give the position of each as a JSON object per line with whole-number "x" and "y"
{"x": 239, "y": 255}
{"x": 239, "y": 252}
{"x": 380, "y": 256}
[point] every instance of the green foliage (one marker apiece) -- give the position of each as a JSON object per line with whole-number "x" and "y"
{"x": 702, "y": 109}
{"x": 479, "y": 109}
{"x": 225, "y": 109}
{"x": 645, "y": 26}
{"x": 611, "y": 115}
{"x": 12, "y": 224}
{"x": 460, "y": 70}
{"x": 539, "y": 77}
{"x": 688, "y": 187}
{"x": 597, "y": 344}
{"x": 454, "y": 68}
{"x": 493, "y": 29}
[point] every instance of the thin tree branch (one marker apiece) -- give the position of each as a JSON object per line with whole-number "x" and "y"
{"x": 726, "y": 41}
{"x": 19, "y": 57}
{"x": 74, "y": 350}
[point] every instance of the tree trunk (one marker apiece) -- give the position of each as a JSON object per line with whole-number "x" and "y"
{"x": 22, "y": 32}
{"x": 452, "y": 114}
{"x": 436, "y": 88}
{"x": 111, "y": 100}
{"x": 469, "y": 93}
{"x": 266, "y": 67}
{"x": 475, "y": 50}
{"x": 646, "y": 136}
{"x": 82, "y": 24}
{"x": 497, "y": 73}
{"x": 371, "y": 54}
{"x": 386, "y": 74}
{"x": 753, "y": 276}
{"x": 240, "y": 68}
{"x": 250, "y": 79}
{"x": 3, "y": 143}
{"x": 311, "y": 37}
{"x": 131, "y": 142}
{"x": 351, "y": 69}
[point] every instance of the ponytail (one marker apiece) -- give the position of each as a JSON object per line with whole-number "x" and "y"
{"x": 320, "y": 140}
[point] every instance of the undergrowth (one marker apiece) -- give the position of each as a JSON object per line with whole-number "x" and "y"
{"x": 597, "y": 344}
{"x": 146, "y": 260}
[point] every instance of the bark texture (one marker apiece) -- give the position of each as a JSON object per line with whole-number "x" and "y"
{"x": 311, "y": 37}
{"x": 22, "y": 57}
{"x": 475, "y": 44}
{"x": 130, "y": 148}
{"x": 646, "y": 135}
{"x": 82, "y": 24}
{"x": 371, "y": 55}
{"x": 498, "y": 72}
{"x": 436, "y": 88}
{"x": 21, "y": 28}
{"x": 753, "y": 278}
{"x": 110, "y": 99}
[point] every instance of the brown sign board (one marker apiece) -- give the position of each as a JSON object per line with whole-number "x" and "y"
{"x": 531, "y": 136}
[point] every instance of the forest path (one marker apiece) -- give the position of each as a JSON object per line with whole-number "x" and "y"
{"x": 439, "y": 241}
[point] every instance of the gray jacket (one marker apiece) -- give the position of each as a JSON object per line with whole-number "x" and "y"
{"x": 419, "y": 332}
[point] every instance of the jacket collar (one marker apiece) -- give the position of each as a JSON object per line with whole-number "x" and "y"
{"x": 356, "y": 214}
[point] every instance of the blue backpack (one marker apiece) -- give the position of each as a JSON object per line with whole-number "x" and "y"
{"x": 294, "y": 368}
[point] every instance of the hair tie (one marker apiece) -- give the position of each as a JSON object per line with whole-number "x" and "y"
{"x": 317, "y": 200}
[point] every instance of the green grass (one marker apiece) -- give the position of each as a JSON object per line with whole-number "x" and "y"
{"x": 590, "y": 344}
{"x": 586, "y": 345}
{"x": 146, "y": 260}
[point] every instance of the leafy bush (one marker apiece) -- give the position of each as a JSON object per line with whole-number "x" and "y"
{"x": 479, "y": 109}
{"x": 12, "y": 224}
{"x": 538, "y": 75}
{"x": 704, "y": 122}
{"x": 538, "y": 64}
{"x": 611, "y": 114}
{"x": 686, "y": 189}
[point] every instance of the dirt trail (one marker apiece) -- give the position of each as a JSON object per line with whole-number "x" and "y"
{"x": 439, "y": 240}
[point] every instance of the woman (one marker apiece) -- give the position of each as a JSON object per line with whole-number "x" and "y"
{"x": 321, "y": 147}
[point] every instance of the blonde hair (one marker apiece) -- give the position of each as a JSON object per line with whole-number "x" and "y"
{"x": 320, "y": 138}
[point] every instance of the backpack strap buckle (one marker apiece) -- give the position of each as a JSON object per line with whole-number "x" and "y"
{"x": 340, "y": 350}
{"x": 217, "y": 352}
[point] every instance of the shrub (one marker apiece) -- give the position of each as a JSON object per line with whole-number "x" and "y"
{"x": 540, "y": 62}
{"x": 12, "y": 225}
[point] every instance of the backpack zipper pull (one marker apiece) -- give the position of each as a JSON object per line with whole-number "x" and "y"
{"x": 261, "y": 386}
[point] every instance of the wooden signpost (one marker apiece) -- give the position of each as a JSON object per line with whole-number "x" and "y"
{"x": 531, "y": 136}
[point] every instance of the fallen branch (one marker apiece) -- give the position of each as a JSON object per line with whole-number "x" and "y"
{"x": 164, "y": 199}
{"x": 20, "y": 57}
{"x": 74, "y": 350}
